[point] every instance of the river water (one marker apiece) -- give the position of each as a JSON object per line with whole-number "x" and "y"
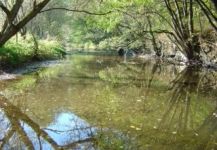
{"x": 107, "y": 103}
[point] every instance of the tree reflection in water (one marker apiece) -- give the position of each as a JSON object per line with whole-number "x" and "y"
{"x": 18, "y": 131}
{"x": 182, "y": 113}
{"x": 179, "y": 107}
{"x": 146, "y": 115}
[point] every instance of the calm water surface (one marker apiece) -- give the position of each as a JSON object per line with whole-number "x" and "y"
{"x": 101, "y": 103}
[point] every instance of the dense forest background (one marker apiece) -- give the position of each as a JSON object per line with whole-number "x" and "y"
{"x": 103, "y": 101}
{"x": 162, "y": 27}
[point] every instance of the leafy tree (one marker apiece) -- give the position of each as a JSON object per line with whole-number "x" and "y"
{"x": 13, "y": 22}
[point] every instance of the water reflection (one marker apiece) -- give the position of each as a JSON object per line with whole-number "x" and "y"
{"x": 187, "y": 115}
{"x": 18, "y": 131}
{"x": 134, "y": 105}
{"x": 184, "y": 90}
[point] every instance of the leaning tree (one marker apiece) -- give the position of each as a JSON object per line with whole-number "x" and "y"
{"x": 14, "y": 17}
{"x": 18, "y": 13}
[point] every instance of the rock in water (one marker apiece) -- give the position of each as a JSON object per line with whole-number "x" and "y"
{"x": 6, "y": 76}
{"x": 130, "y": 53}
{"x": 121, "y": 51}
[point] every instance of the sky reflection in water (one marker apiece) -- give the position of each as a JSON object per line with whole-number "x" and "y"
{"x": 104, "y": 103}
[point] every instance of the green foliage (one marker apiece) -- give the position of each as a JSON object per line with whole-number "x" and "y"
{"x": 50, "y": 50}
{"x": 128, "y": 25}
{"x": 15, "y": 53}
{"x": 123, "y": 27}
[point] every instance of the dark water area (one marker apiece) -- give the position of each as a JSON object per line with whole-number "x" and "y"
{"x": 93, "y": 102}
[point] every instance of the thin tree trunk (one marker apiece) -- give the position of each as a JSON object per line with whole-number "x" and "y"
{"x": 191, "y": 15}
{"x": 156, "y": 48}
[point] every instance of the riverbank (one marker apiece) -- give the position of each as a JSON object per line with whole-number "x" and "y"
{"x": 33, "y": 66}
{"x": 15, "y": 54}
{"x": 178, "y": 59}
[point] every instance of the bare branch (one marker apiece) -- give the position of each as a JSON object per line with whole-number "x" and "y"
{"x": 76, "y": 10}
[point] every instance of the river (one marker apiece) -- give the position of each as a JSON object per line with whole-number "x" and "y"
{"x": 107, "y": 103}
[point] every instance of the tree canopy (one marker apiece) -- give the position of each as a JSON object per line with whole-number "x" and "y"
{"x": 134, "y": 24}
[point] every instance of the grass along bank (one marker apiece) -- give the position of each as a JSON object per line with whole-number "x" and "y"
{"x": 17, "y": 52}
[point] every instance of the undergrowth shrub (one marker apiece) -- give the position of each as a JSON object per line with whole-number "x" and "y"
{"x": 15, "y": 53}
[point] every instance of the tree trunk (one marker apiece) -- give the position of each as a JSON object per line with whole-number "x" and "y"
{"x": 183, "y": 26}
{"x": 154, "y": 43}
{"x": 12, "y": 29}
{"x": 193, "y": 49}
{"x": 7, "y": 35}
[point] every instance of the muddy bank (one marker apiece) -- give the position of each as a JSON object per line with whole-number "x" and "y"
{"x": 34, "y": 66}
{"x": 27, "y": 68}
